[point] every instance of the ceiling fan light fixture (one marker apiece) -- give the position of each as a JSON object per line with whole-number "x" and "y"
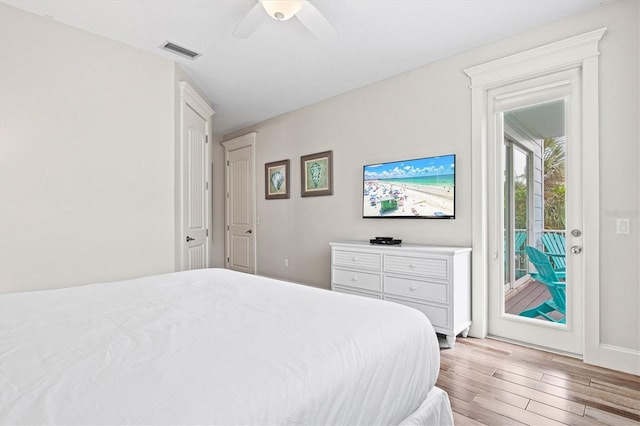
{"x": 281, "y": 10}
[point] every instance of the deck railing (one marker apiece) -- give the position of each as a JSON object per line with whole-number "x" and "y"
{"x": 562, "y": 232}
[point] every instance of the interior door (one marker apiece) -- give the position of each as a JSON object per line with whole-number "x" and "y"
{"x": 240, "y": 204}
{"x": 195, "y": 191}
{"x": 528, "y": 118}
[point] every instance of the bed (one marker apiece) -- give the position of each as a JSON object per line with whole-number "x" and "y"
{"x": 214, "y": 346}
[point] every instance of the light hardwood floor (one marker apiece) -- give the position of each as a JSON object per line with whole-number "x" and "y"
{"x": 490, "y": 382}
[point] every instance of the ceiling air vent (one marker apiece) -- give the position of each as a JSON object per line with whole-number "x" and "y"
{"x": 179, "y": 50}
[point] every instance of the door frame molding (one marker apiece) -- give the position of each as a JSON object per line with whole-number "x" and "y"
{"x": 189, "y": 98}
{"x": 579, "y": 52}
{"x": 248, "y": 140}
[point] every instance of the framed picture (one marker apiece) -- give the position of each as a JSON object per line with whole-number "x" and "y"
{"x": 276, "y": 180}
{"x": 317, "y": 174}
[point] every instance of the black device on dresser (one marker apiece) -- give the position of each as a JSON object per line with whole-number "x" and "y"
{"x": 387, "y": 241}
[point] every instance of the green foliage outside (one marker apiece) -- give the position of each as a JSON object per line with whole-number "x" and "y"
{"x": 554, "y": 183}
{"x": 554, "y": 188}
{"x": 521, "y": 204}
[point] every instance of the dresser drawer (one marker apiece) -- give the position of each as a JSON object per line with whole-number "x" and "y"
{"x": 438, "y": 315}
{"x": 427, "y": 290}
{"x": 357, "y": 293}
{"x": 354, "y": 259}
{"x": 435, "y": 267}
{"x": 357, "y": 279}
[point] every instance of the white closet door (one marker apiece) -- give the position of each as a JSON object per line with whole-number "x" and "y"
{"x": 241, "y": 204}
{"x": 193, "y": 202}
{"x": 195, "y": 190}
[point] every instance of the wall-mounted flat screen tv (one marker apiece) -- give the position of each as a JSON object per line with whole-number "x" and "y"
{"x": 422, "y": 188}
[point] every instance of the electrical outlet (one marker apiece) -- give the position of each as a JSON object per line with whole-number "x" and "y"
{"x": 286, "y": 262}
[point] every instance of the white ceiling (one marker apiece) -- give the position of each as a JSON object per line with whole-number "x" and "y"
{"x": 541, "y": 121}
{"x": 282, "y": 67}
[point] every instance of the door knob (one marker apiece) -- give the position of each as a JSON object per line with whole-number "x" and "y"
{"x": 190, "y": 239}
{"x": 576, "y": 249}
{"x": 248, "y": 232}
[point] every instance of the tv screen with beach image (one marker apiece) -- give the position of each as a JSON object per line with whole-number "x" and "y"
{"x": 422, "y": 188}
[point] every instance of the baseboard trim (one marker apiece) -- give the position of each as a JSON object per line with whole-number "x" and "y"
{"x": 532, "y": 346}
{"x": 616, "y": 358}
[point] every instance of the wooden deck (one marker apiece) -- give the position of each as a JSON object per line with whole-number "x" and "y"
{"x": 528, "y": 296}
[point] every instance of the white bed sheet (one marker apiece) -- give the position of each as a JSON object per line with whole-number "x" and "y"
{"x": 211, "y": 347}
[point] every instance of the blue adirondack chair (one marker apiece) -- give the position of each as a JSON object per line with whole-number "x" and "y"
{"x": 555, "y": 247}
{"x": 519, "y": 241}
{"x": 547, "y": 275}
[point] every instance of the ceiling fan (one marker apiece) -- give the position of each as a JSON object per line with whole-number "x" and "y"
{"x": 281, "y": 10}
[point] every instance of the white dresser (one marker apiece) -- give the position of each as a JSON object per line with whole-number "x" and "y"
{"x": 432, "y": 279}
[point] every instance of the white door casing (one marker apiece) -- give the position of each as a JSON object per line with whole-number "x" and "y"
{"x": 194, "y": 199}
{"x": 240, "y": 204}
{"x": 580, "y": 53}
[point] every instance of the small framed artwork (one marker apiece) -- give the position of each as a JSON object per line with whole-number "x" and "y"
{"x": 317, "y": 174}
{"x": 276, "y": 180}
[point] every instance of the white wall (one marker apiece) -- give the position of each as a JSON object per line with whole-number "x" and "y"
{"x": 86, "y": 151}
{"x": 427, "y": 112}
{"x": 392, "y": 120}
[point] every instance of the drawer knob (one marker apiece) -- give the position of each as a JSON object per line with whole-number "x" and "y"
{"x": 354, "y": 278}
{"x": 411, "y": 265}
{"x": 355, "y": 259}
{"x": 413, "y": 288}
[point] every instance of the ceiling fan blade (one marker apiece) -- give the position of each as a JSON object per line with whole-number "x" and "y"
{"x": 250, "y": 22}
{"x": 316, "y": 22}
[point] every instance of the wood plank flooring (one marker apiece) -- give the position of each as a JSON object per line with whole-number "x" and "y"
{"x": 490, "y": 382}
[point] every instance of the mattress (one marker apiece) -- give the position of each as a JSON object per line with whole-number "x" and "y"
{"x": 214, "y": 346}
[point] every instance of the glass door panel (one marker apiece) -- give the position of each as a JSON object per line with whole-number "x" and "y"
{"x": 534, "y": 212}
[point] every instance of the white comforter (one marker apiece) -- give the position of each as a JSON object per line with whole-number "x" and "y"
{"x": 210, "y": 347}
